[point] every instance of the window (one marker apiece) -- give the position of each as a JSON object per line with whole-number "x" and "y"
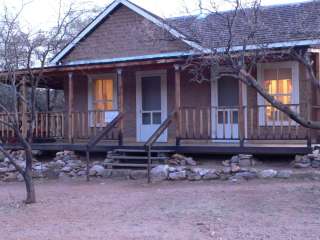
{"x": 281, "y": 81}
{"x": 103, "y": 94}
{"x": 102, "y": 99}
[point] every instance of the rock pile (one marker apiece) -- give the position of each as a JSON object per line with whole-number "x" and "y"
{"x": 8, "y": 172}
{"x": 181, "y": 160}
{"x": 306, "y": 161}
{"x": 239, "y": 167}
{"x": 166, "y": 172}
{"x": 66, "y": 164}
{"x": 241, "y": 160}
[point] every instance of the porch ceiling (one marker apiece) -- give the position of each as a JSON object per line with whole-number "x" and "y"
{"x": 56, "y": 75}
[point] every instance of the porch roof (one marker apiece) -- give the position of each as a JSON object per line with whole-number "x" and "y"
{"x": 54, "y": 76}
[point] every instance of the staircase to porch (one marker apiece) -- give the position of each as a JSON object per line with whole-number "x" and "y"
{"x": 137, "y": 158}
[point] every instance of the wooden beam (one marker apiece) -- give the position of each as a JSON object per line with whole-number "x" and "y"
{"x": 48, "y": 99}
{"x": 120, "y": 90}
{"x": 241, "y": 121}
{"x": 120, "y": 101}
{"x": 177, "y": 69}
{"x": 70, "y": 106}
{"x": 24, "y": 108}
{"x": 92, "y": 67}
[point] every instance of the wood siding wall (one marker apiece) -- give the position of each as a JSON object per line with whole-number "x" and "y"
{"x": 125, "y": 34}
{"x": 194, "y": 95}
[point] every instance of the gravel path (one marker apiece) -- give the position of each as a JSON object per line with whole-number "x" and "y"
{"x": 121, "y": 210}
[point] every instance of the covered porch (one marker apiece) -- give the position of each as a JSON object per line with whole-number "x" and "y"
{"x": 160, "y": 106}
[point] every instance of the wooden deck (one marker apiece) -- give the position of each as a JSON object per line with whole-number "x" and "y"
{"x": 208, "y": 148}
{"x": 194, "y": 133}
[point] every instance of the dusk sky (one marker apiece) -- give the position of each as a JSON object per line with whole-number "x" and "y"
{"x": 41, "y": 12}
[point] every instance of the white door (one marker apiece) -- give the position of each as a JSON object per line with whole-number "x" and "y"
{"x": 226, "y": 109}
{"x": 151, "y": 104}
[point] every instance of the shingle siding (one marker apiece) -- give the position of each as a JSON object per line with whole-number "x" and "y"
{"x": 125, "y": 34}
{"x": 276, "y": 24}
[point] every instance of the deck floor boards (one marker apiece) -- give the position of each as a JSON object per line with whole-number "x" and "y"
{"x": 263, "y": 148}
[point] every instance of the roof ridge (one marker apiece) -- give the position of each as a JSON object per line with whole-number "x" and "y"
{"x": 263, "y": 7}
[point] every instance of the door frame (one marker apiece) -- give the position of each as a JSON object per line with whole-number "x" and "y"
{"x": 214, "y": 103}
{"x": 164, "y": 100}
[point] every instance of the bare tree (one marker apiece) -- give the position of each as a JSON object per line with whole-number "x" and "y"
{"x": 243, "y": 24}
{"x": 20, "y": 51}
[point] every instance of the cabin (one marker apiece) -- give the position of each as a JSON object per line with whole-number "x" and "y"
{"x": 126, "y": 88}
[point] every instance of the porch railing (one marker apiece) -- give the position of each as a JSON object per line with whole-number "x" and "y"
{"x": 260, "y": 122}
{"x": 55, "y": 125}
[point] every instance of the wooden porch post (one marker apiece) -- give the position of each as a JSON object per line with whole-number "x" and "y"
{"x": 177, "y": 69}
{"x": 70, "y": 106}
{"x": 120, "y": 101}
{"x": 24, "y": 108}
{"x": 241, "y": 115}
{"x": 48, "y": 99}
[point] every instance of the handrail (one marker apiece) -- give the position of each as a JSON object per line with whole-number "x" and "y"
{"x": 155, "y": 136}
{"x": 94, "y": 141}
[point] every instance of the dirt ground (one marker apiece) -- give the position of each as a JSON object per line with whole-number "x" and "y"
{"x": 121, "y": 210}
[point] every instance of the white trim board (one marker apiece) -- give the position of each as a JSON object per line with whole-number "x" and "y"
{"x": 134, "y": 8}
{"x": 214, "y": 103}
{"x": 93, "y": 77}
{"x": 271, "y": 45}
{"x": 126, "y": 59}
{"x": 164, "y": 101}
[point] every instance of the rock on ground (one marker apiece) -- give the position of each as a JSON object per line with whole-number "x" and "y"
{"x": 97, "y": 170}
{"x": 284, "y": 174}
{"x": 269, "y": 173}
{"x": 160, "y": 172}
{"x": 178, "y": 175}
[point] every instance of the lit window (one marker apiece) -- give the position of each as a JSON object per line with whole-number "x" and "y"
{"x": 278, "y": 83}
{"x": 103, "y": 99}
{"x": 103, "y": 94}
{"x": 280, "y": 80}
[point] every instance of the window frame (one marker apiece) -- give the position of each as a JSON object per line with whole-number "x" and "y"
{"x": 91, "y": 90}
{"x": 295, "y": 98}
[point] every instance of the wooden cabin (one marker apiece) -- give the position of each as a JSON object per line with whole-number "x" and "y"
{"x": 125, "y": 88}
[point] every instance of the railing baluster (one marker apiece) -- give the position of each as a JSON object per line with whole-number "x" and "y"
{"x": 274, "y": 123}
{"x": 231, "y": 123}
{"x": 209, "y": 120}
{"x": 187, "y": 123}
{"x": 251, "y": 123}
{"x": 47, "y": 125}
{"x": 201, "y": 123}
{"x": 281, "y": 125}
{"x": 83, "y": 124}
{"x": 95, "y": 122}
{"x": 224, "y": 123}
{"x": 297, "y": 125}
{"x": 194, "y": 124}
{"x": 216, "y": 113}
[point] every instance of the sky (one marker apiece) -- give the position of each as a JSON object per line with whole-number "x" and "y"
{"x": 39, "y": 13}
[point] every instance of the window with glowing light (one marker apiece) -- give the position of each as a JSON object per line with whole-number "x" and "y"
{"x": 278, "y": 83}
{"x": 103, "y": 94}
{"x": 103, "y": 98}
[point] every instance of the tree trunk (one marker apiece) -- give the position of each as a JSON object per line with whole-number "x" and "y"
{"x": 31, "y": 194}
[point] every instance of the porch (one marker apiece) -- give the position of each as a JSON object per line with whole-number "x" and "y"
{"x": 211, "y": 130}
{"x": 161, "y": 108}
